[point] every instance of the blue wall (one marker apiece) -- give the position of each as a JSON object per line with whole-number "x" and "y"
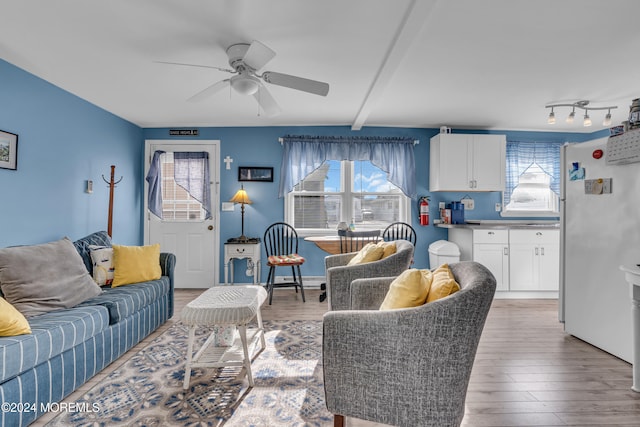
{"x": 62, "y": 142}
{"x": 259, "y": 146}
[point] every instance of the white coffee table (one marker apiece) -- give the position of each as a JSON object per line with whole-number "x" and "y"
{"x": 220, "y": 306}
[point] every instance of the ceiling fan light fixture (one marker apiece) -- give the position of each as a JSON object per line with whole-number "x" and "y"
{"x": 245, "y": 84}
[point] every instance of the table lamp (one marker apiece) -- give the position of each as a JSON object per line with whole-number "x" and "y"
{"x": 242, "y": 198}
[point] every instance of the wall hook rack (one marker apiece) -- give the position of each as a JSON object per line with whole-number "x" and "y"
{"x": 112, "y": 184}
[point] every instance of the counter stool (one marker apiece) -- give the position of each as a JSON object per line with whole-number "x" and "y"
{"x": 222, "y": 306}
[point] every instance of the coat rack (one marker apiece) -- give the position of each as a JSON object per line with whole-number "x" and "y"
{"x": 112, "y": 185}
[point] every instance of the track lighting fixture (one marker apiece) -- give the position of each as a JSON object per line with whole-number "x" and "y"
{"x": 583, "y": 105}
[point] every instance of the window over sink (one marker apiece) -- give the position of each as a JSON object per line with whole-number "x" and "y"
{"x": 532, "y": 179}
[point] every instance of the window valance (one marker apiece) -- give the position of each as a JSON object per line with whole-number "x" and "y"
{"x": 304, "y": 154}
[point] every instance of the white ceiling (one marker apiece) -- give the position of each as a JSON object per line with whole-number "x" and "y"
{"x": 482, "y": 64}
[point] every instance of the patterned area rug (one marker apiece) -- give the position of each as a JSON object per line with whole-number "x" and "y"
{"x": 147, "y": 389}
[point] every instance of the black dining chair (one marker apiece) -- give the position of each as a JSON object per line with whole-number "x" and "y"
{"x": 281, "y": 245}
{"x": 399, "y": 231}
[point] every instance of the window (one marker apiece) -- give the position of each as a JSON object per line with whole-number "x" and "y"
{"x": 533, "y": 179}
{"x": 345, "y": 191}
{"x": 177, "y": 203}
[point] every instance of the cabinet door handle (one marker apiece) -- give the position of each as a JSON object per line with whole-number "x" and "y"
{"x": 471, "y": 184}
{"x": 541, "y": 251}
{"x": 506, "y": 250}
{"x": 536, "y": 251}
{"x": 491, "y": 233}
{"x": 539, "y": 233}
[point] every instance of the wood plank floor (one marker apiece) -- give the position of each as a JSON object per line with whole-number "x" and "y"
{"x": 528, "y": 372}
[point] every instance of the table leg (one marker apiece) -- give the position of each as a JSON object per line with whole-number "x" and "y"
{"x": 187, "y": 367}
{"x": 226, "y": 272}
{"x": 635, "y": 313}
{"x": 247, "y": 360}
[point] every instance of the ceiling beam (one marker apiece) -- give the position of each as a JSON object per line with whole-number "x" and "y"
{"x": 415, "y": 18}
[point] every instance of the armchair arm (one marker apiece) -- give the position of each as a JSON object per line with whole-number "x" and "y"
{"x": 368, "y": 294}
{"x": 168, "y": 265}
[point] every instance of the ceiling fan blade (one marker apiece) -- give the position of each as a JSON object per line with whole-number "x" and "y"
{"x": 196, "y": 65}
{"x": 258, "y": 55}
{"x": 209, "y": 91}
{"x": 266, "y": 101}
{"x": 298, "y": 83}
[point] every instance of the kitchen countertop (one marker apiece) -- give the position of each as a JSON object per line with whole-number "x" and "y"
{"x": 503, "y": 224}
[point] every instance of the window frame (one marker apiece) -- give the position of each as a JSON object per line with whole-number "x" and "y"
{"x": 346, "y": 194}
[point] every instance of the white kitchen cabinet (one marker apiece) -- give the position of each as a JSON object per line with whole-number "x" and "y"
{"x": 534, "y": 262}
{"x": 525, "y": 262}
{"x": 467, "y": 162}
{"x": 491, "y": 249}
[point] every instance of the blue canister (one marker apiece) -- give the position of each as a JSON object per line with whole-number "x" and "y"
{"x": 457, "y": 213}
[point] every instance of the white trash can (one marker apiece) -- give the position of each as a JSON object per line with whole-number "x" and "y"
{"x": 443, "y": 252}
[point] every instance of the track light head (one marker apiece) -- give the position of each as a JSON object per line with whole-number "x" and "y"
{"x": 572, "y": 115}
{"x": 607, "y": 119}
{"x": 552, "y": 117}
{"x": 587, "y": 119}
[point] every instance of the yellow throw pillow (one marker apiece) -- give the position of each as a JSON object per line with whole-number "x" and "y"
{"x": 134, "y": 264}
{"x": 409, "y": 289}
{"x": 12, "y": 322}
{"x": 443, "y": 284}
{"x": 389, "y": 248}
{"x": 369, "y": 252}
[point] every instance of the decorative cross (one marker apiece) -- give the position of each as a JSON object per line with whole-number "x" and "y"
{"x": 228, "y": 160}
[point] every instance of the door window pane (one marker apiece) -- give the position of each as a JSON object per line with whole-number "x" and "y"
{"x": 177, "y": 203}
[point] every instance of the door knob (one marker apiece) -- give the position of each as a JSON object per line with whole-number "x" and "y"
{"x": 210, "y": 227}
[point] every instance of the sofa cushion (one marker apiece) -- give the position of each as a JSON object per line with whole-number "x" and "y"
{"x": 12, "y": 322}
{"x": 102, "y": 264}
{"x": 51, "y": 334}
{"x": 40, "y": 278}
{"x": 123, "y": 301}
{"x": 99, "y": 238}
{"x": 134, "y": 264}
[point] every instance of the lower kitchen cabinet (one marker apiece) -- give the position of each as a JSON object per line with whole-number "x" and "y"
{"x": 534, "y": 260}
{"x": 525, "y": 262}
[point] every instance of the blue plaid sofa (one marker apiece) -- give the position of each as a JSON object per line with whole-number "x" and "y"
{"x": 68, "y": 347}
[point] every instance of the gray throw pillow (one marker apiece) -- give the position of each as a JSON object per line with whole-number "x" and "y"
{"x": 40, "y": 278}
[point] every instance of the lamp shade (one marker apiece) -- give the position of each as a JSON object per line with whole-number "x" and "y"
{"x": 241, "y": 196}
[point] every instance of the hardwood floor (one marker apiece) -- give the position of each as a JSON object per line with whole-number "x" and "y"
{"x": 528, "y": 372}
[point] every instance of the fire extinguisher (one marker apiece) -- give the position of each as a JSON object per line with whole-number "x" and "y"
{"x": 423, "y": 209}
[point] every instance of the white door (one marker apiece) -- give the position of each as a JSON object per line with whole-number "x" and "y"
{"x": 183, "y": 230}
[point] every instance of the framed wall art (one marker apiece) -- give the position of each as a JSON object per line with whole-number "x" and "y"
{"x": 255, "y": 173}
{"x": 8, "y": 150}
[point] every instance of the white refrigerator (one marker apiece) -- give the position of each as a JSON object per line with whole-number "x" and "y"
{"x": 599, "y": 232}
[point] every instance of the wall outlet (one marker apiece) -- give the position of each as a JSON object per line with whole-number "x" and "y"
{"x": 468, "y": 203}
{"x": 498, "y": 207}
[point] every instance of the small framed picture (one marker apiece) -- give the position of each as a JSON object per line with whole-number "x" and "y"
{"x": 8, "y": 150}
{"x": 255, "y": 173}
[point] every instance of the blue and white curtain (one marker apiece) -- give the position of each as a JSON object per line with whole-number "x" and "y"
{"x": 304, "y": 154}
{"x": 522, "y": 155}
{"x": 191, "y": 172}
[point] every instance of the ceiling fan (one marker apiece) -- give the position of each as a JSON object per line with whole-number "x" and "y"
{"x": 245, "y": 61}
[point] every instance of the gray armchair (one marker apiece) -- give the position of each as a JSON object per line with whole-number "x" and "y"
{"x": 340, "y": 275}
{"x": 405, "y": 367}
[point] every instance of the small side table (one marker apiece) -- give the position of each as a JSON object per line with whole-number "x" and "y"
{"x": 239, "y": 251}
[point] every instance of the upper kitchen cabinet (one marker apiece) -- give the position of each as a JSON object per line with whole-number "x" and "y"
{"x": 467, "y": 162}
